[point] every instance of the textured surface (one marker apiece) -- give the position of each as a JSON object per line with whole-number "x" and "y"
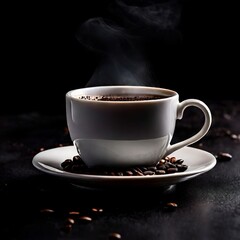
{"x": 208, "y": 206}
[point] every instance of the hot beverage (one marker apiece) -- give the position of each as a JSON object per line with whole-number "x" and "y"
{"x": 141, "y": 97}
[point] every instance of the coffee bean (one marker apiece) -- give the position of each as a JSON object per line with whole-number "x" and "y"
{"x": 171, "y": 165}
{"x": 160, "y": 172}
{"x": 173, "y": 159}
{"x": 181, "y": 167}
{"x": 128, "y": 173}
{"x": 139, "y": 169}
{"x": 74, "y": 213}
{"x": 114, "y": 236}
{"x": 161, "y": 167}
{"x": 153, "y": 168}
{"x": 137, "y": 173}
{"x": 149, "y": 172}
{"x": 171, "y": 206}
{"x": 85, "y": 219}
{"x": 172, "y": 170}
{"x": 179, "y": 161}
{"x": 162, "y": 161}
{"x": 47, "y": 210}
{"x": 66, "y": 163}
{"x": 223, "y": 156}
{"x": 77, "y": 159}
{"x": 235, "y": 137}
{"x": 70, "y": 221}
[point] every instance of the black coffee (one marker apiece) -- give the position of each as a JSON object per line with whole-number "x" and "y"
{"x": 140, "y": 97}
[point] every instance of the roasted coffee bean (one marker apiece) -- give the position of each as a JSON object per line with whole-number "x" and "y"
{"x": 172, "y": 170}
{"x": 74, "y": 213}
{"x": 149, "y": 172}
{"x": 173, "y": 159}
{"x": 70, "y": 221}
{"x": 85, "y": 219}
{"x": 77, "y": 159}
{"x": 66, "y": 163}
{"x": 181, "y": 167}
{"x": 162, "y": 161}
{"x": 160, "y": 172}
{"x": 171, "y": 165}
{"x": 163, "y": 166}
{"x": 128, "y": 173}
{"x": 114, "y": 236}
{"x": 152, "y": 168}
{"x": 223, "y": 156}
{"x": 170, "y": 206}
{"x": 47, "y": 210}
{"x": 137, "y": 173}
{"x": 235, "y": 137}
{"x": 139, "y": 169}
{"x": 179, "y": 161}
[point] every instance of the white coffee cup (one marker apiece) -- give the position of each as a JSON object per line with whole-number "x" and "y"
{"x": 127, "y": 133}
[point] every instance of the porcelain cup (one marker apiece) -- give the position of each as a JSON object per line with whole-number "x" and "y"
{"x": 128, "y": 133}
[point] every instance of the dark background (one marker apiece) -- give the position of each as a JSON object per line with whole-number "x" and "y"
{"x": 42, "y": 58}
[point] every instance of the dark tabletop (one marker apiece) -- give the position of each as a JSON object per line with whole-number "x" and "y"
{"x": 35, "y": 205}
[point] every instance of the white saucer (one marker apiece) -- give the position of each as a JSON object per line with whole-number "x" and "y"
{"x": 198, "y": 161}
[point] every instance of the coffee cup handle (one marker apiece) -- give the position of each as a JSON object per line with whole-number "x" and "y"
{"x": 207, "y": 123}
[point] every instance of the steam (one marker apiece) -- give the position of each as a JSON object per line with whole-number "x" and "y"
{"x": 151, "y": 17}
{"x": 120, "y": 41}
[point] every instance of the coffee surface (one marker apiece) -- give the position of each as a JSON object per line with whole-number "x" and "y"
{"x": 123, "y": 98}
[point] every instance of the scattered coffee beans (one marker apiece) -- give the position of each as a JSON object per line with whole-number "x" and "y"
{"x": 164, "y": 166}
{"x": 97, "y": 210}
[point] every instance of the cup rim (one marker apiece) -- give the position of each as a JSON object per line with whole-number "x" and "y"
{"x": 169, "y": 93}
